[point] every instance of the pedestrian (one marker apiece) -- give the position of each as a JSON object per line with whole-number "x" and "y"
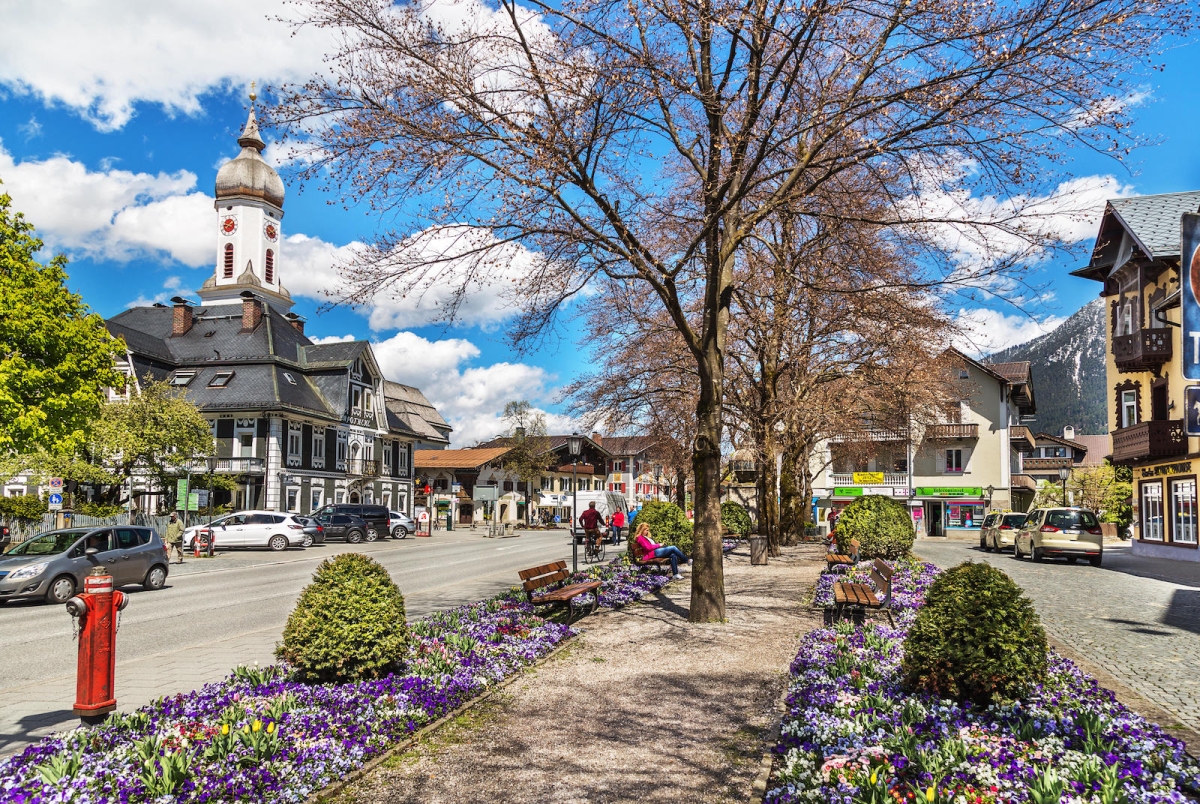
{"x": 616, "y": 522}
{"x": 174, "y": 537}
{"x": 648, "y": 547}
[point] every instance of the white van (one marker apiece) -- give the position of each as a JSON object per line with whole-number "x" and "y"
{"x": 607, "y": 502}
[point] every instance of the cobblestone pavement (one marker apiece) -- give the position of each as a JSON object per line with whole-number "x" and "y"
{"x": 1143, "y": 630}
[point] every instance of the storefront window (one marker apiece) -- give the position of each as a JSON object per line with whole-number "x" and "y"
{"x": 1183, "y": 511}
{"x": 1152, "y": 512}
{"x": 959, "y": 515}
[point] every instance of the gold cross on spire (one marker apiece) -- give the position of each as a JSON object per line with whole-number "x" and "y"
{"x": 253, "y": 95}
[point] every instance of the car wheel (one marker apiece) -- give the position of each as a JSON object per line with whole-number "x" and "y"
{"x": 61, "y": 589}
{"x": 1016, "y": 551}
{"x": 1070, "y": 559}
{"x": 308, "y": 541}
{"x": 156, "y": 578}
{"x": 1096, "y": 560}
{"x": 1038, "y": 555}
{"x": 982, "y": 543}
{"x": 372, "y": 534}
{"x": 399, "y": 532}
{"x": 278, "y": 542}
{"x": 354, "y": 536}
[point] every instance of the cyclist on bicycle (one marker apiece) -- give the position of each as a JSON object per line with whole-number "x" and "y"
{"x": 591, "y": 519}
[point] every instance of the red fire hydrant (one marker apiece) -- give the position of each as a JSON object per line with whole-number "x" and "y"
{"x": 95, "y": 675}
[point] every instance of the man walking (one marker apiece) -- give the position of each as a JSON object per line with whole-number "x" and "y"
{"x": 174, "y": 537}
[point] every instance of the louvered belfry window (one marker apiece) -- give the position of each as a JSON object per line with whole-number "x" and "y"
{"x": 270, "y": 266}
{"x": 229, "y": 260}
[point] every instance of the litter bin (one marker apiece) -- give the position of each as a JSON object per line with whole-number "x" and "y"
{"x": 758, "y": 549}
{"x": 449, "y": 521}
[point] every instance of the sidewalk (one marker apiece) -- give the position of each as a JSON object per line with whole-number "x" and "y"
{"x": 645, "y": 706}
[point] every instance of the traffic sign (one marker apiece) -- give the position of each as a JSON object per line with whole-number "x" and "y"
{"x": 201, "y": 497}
{"x": 423, "y": 516}
{"x": 55, "y": 502}
{"x": 56, "y": 483}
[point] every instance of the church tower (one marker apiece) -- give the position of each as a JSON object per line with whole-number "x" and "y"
{"x": 249, "y": 233}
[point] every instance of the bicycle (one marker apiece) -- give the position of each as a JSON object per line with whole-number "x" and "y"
{"x": 594, "y": 548}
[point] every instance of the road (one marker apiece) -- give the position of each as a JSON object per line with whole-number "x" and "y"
{"x": 215, "y": 614}
{"x": 1137, "y": 618}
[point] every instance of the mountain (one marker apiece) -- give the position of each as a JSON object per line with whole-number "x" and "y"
{"x": 1068, "y": 373}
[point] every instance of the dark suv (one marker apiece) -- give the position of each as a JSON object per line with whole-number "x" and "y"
{"x": 377, "y": 517}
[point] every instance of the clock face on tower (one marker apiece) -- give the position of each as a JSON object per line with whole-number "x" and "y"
{"x": 271, "y": 231}
{"x": 228, "y": 225}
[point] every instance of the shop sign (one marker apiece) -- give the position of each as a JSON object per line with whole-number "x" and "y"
{"x": 949, "y": 491}
{"x": 868, "y": 478}
{"x": 1182, "y": 468}
{"x": 847, "y": 491}
{"x": 1189, "y": 272}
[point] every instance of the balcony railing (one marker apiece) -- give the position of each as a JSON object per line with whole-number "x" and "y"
{"x": 1149, "y": 440}
{"x": 231, "y": 466}
{"x": 1044, "y": 464}
{"x": 889, "y": 479}
{"x": 1144, "y": 350}
{"x": 362, "y": 467}
{"x": 1024, "y": 483}
{"x": 941, "y": 431}
{"x": 1021, "y": 436}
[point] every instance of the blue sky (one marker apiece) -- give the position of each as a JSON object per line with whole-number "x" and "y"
{"x": 110, "y": 139}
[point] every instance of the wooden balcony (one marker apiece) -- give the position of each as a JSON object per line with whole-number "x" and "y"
{"x": 1024, "y": 483}
{"x": 945, "y": 431}
{"x": 1149, "y": 441}
{"x": 1144, "y": 350}
{"x": 1044, "y": 464}
{"x": 1021, "y": 437}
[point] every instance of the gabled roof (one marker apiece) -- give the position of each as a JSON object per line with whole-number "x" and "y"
{"x": 407, "y": 404}
{"x": 327, "y": 355}
{"x": 628, "y": 445}
{"x": 1153, "y": 220}
{"x": 1066, "y": 442}
{"x": 1098, "y": 448}
{"x": 1017, "y": 372}
{"x": 457, "y": 458}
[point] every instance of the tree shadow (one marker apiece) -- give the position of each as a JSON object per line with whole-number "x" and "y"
{"x": 1184, "y": 611}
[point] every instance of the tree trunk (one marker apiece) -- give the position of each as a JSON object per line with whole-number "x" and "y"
{"x": 768, "y": 504}
{"x": 792, "y": 504}
{"x": 681, "y": 477}
{"x": 708, "y": 570}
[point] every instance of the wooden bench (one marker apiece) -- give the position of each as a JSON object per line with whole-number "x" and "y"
{"x": 859, "y": 597}
{"x": 538, "y": 577}
{"x": 640, "y": 559}
{"x": 838, "y": 560}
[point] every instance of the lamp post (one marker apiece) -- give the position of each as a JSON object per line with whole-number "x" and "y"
{"x": 574, "y": 446}
{"x": 990, "y": 491}
{"x": 1063, "y": 473}
{"x": 211, "y": 460}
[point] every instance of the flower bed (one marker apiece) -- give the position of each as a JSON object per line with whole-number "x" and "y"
{"x": 258, "y": 737}
{"x": 623, "y": 583}
{"x": 851, "y": 734}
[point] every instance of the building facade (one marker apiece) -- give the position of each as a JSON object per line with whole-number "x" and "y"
{"x": 1136, "y": 261}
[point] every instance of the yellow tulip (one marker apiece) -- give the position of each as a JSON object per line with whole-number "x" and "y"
{"x": 874, "y": 777}
{"x": 246, "y": 729}
{"x": 270, "y": 728}
{"x": 225, "y": 729}
{"x": 257, "y": 726}
{"x": 929, "y": 794}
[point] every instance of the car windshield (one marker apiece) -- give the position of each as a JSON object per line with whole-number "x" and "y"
{"x": 1072, "y": 519}
{"x": 47, "y": 544}
{"x": 1014, "y": 520}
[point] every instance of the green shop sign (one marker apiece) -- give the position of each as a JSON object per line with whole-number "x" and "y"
{"x": 949, "y": 491}
{"x": 848, "y": 491}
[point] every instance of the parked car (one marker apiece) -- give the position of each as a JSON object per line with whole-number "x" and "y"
{"x": 314, "y": 533}
{"x": 1000, "y": 530}
{"x": 353, "y": 529}
{"x": 1071, "y": 533}
{"x": 269, "y": 529}
{"x": 401, "y": 524}
{"x": 53, "y": 565}
{"x": 377, "y": 517}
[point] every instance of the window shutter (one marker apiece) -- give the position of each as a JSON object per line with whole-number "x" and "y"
{"x": 941, "y": 461}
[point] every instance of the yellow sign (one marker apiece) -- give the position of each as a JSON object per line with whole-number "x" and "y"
{"x": 869, "y": 478}
{"x": 1169, "y": 469}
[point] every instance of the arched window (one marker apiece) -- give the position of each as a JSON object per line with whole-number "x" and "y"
{"x": 228, "y": 261}
{"x": 270, "y": 266}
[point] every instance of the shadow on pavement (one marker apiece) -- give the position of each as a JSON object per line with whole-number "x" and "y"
{"x": 42, "y": 720}
{"x": 1184, "y": 573}
{"x": 1184, "y": 611}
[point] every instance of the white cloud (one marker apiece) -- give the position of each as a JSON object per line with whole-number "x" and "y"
{"x": 332, "y": 339}
{"x": 471, "y": 398}
{"x": 106, "y": 57}
{"x": 986, "y": 331}
{"x": 32, "y": 129}
{"x": 172, "y": 286}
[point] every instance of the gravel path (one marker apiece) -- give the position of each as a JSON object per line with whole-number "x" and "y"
{"x": 645, "y": 706}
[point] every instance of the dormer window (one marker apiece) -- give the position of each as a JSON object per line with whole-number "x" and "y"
{"x": 180, "y": 379}
{"x": 228, "y": 269}
{"x": 220, "y": 379}
{"x": 289, "y": 378}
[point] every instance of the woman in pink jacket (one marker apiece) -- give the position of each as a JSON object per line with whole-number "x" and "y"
{"x": 650, "y": 548}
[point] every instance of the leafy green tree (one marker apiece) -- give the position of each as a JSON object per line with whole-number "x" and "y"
{"x": 56, "y": 358}
{"x": 1105, "y": 489}
{"x": 530, "y": 455}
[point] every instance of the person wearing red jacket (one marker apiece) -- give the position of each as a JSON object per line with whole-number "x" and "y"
{"x": 591, "y": 520}
{"x": 617, "y": 522}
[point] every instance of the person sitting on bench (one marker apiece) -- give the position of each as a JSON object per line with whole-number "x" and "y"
{"x": 669, "y": 552}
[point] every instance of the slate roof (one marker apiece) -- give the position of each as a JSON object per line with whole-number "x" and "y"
{"x": 408, "y": 405}
{"x": 557, "y": 442}
{"x": 628, "y": 445}
{"x": 1153, "y": 220}
{"x": 1098, "y": 448}
{"x": 457, "y": 458}
{"x": 1017, "y": 372}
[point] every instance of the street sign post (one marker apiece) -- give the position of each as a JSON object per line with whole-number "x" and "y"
{"x": 56, "y": 502}
{"x": 1189, "y": 274}
{"x": 56, "y": 484}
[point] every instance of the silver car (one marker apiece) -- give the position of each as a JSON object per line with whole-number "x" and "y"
{"x": 53, "y": 565}
{"x": 400, "y": 524}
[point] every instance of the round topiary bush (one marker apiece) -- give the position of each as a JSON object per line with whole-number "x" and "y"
{"x": 977, "y": 639}
{"x": 882, "y": 526}
{"x": 736, "y": 519}
{"x": 347, "y": 625}
{"x": 668, "y": 525}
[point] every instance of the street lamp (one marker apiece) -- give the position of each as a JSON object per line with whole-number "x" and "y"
{"x": 574, "y": 447}
{"x": 1063, "y": 473}
{"x": 211, "y": 460}
{"x": 990, "y": 491}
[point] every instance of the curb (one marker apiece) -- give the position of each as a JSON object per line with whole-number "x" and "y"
{"x": 329, "y": 791}
{"x": 758, "y": 791}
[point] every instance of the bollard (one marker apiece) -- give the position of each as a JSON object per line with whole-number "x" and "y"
{"x": 95, "y": 675}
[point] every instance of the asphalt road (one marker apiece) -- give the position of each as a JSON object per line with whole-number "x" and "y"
{"x": 214, "y": 614}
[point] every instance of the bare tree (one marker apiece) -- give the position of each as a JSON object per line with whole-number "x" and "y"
{"x": 529, "y": 456}
{"x": 649, "y": 141}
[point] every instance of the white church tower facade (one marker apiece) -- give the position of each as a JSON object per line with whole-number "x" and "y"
{"x": 249, "y": 227}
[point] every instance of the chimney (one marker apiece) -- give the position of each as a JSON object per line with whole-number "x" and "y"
{"x": 597, "y": 438}
{"x": 297, "y": 322}
{"x": 181, "y": 317}
{"x": 1069, "y": 433}
{"x": 252, "y": 311}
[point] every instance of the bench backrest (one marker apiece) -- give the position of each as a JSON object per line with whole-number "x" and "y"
{"x": 854, "y": 545}
{"x": 537, "y": 577}
{"x": 881, "y": 575}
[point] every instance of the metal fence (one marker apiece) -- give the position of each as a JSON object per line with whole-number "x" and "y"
{"x": 22, "y": 529}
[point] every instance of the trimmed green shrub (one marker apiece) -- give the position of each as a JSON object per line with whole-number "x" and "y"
{"x": 668, "y": 525}
{"x": 347, "y": 625}
{"x": 23, "y": 506}
{"x": 736, "y": 519}
{"x": 976, "y": 639}
{"x": 98, "y": 509}
{"x": 882, "y": 526}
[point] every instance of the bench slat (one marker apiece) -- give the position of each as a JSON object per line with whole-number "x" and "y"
{"x": 855, "y": 594}
{"x": 568, "y": 592}
{"x": 884, "y": 569}
{"x": 545, "y": 580}
{"x": 526, "y": 574}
